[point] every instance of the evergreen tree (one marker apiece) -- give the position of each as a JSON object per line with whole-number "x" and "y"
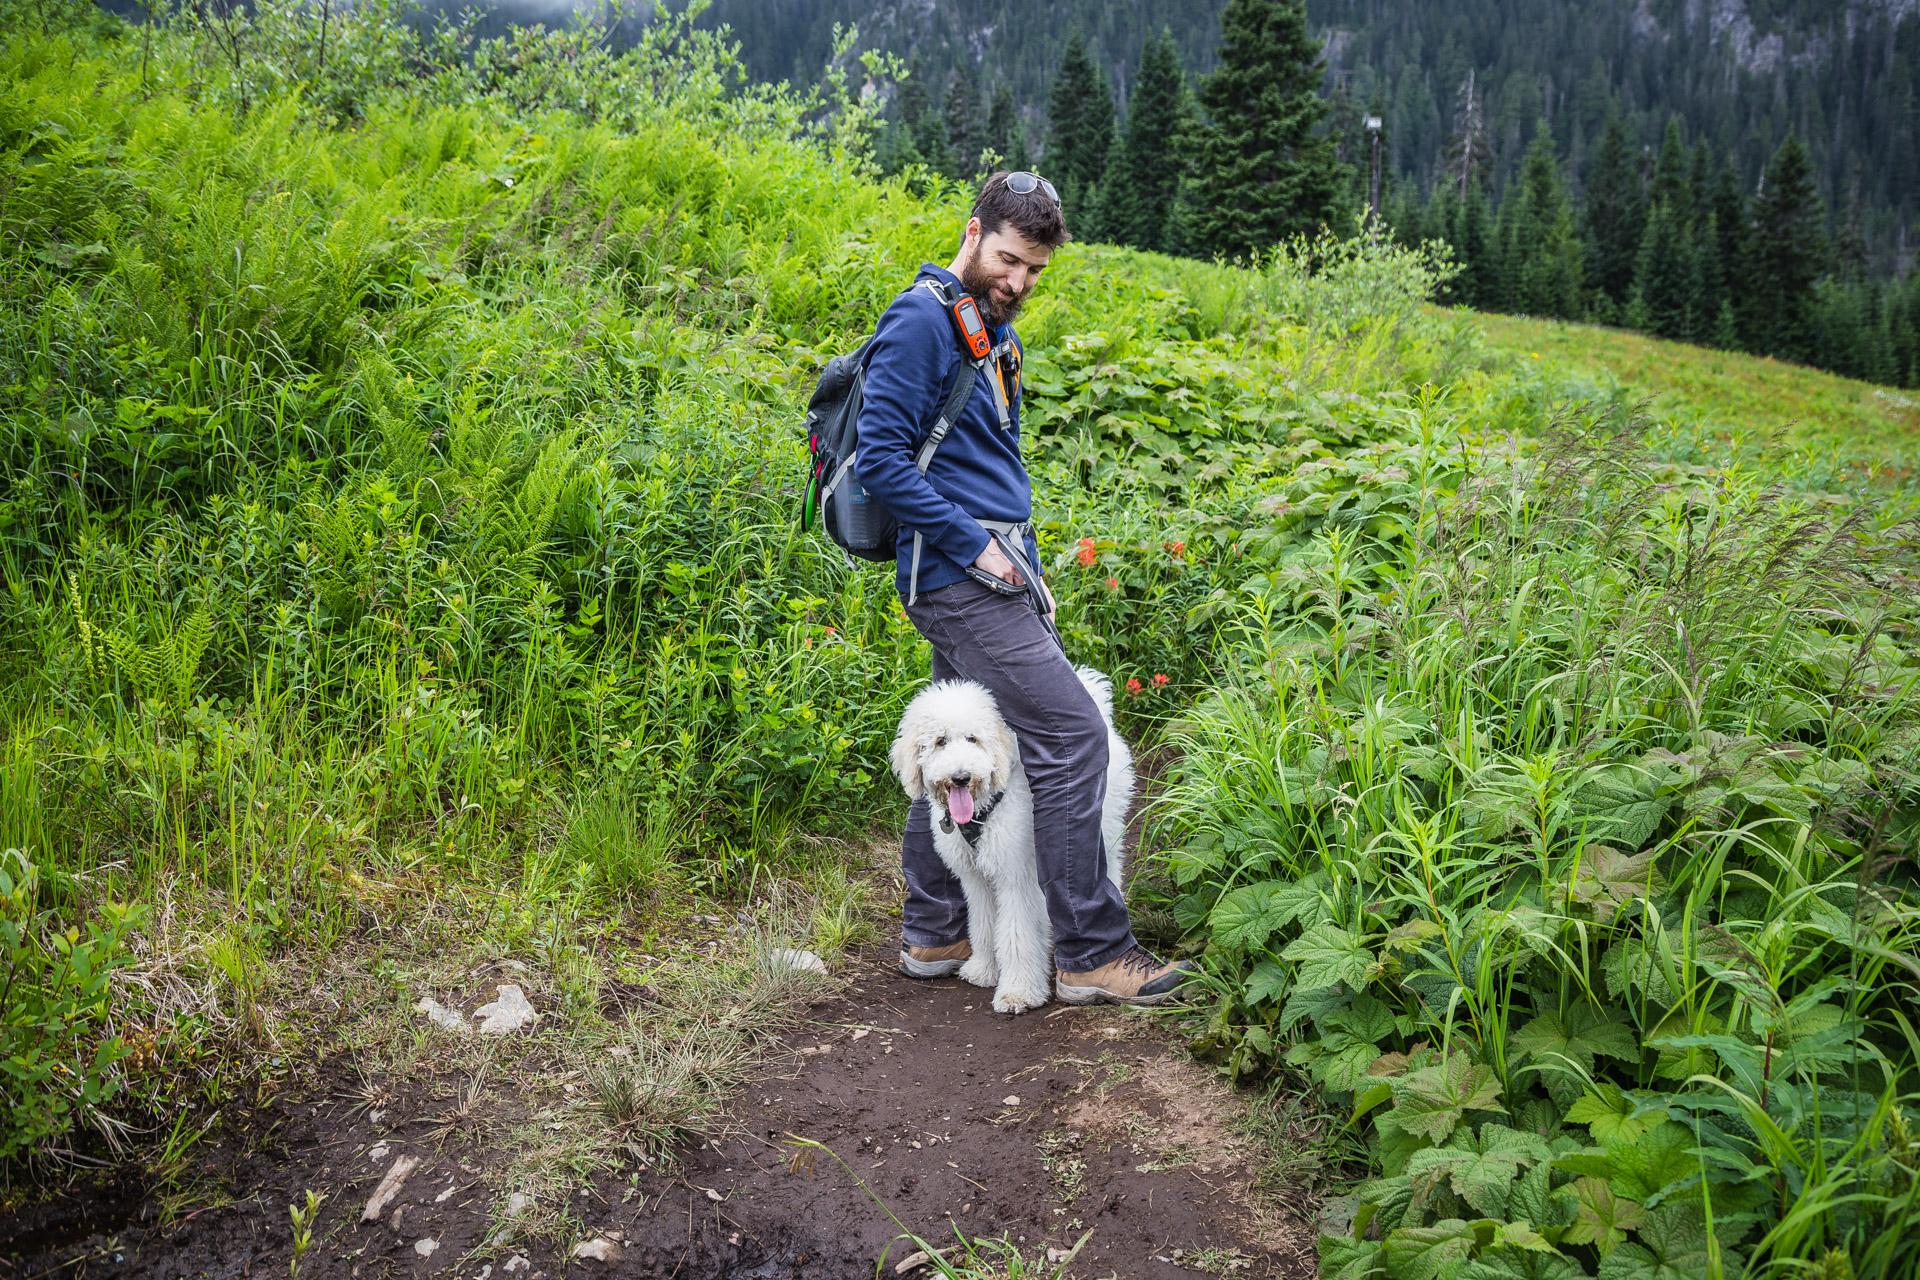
{"x": 1262, "y": 169}
{"x": 1145, "y": 180}
{"x": 1543, "y": 253}
{"x": 1670, "y": 176}
{"x": 1079, "y": 133}
{"x": 1713, "y": 322}
{"x": 1789, "y": 251}
{"x": 925, "y": 133}
{"x": 1005, "y": 133}
{"x": 966, "y": 131}
{"x": 1615, "y": 214}
{"x": 1700, "y": 184}
{"x": 1471, "y": 232}
{"x": 1666, "y": 280}
{"x": 1730, "y": 227}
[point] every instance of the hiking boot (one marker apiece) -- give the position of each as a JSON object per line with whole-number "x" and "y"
{"x": 935, "y": 962}
{"x": 1135, "y": 978}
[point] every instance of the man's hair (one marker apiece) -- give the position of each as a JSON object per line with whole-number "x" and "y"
{"x": 1034, "y": 215}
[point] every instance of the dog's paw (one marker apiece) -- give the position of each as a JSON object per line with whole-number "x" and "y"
{"x": 1018, "y": 999}
{"x": 980, "y": 971}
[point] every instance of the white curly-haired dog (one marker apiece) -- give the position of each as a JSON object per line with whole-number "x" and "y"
{"x": 954, "y": 748}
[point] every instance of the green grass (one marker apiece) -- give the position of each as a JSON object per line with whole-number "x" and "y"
{"x": 1726, "y": 392}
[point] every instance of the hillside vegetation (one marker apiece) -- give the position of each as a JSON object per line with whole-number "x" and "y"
{"x": 1762, "y": 401}
{"x": 399, "y": 535}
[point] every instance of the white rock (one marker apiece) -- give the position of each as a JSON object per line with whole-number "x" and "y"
{"x": 441, "y": 1016}
{"x": 485, "y": 1272}
{"x": 517, "y": 1204}
{"x": 917, "y": 1259}
{"x": 509, "y": 1011}
{"x": 425, "y": 1246}
{"x": 806, "y": 961}
{"x": 389, "y": 1187}
{"x": 377, "y": 1152}
{"x": 518, "y": 1262}
{"x": 600, "y": 1249}
{"x": 1011, "y": 1100}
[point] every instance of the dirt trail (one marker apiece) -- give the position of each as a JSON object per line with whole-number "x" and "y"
{"x": 1039, "y": 1127}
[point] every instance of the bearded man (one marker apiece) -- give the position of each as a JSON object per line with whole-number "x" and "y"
{"x": 977, "y": 632}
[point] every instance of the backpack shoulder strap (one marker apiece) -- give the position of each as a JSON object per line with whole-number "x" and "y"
{"x": 949, "y": 413}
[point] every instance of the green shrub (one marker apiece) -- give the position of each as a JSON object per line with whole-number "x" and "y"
{"x": 56, "y": 1051}
{"x": 1554, "y": 820}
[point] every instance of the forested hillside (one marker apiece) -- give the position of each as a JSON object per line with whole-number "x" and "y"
{"x": 1738, "y": 73}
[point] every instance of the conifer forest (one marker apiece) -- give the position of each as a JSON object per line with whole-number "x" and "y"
{"x": 446, "y": 819}
{"x": 1604, "y": 162}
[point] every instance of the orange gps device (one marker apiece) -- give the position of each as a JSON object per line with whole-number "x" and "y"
{"x": 973, "y": 330}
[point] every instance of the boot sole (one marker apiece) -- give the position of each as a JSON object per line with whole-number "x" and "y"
{"x": 1099, "y": 995}
{"x": 928, "y": 968}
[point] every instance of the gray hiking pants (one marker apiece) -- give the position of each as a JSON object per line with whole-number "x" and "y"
{"x": 996, "y": 640}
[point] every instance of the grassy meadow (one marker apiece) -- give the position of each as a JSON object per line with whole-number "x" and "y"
{"x": 1752, "y": 398}
{"x": 402, "y": 568}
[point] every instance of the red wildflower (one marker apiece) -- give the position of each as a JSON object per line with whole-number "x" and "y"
{"x": 1159, "y": 677}
{"x": 1113, "y": 584}
{"x": 1133, "y": 687}
{"x": 1176, "y": 549}
{"x": 1087, "y": 554}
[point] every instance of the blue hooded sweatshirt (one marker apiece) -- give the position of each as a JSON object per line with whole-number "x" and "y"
{"x": 976, "y": 472}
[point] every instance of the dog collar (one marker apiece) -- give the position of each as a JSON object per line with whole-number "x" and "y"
{"x": 970, "y": 831}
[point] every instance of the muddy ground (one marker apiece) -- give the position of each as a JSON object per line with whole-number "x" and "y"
{"x": 1039, "y": 1129}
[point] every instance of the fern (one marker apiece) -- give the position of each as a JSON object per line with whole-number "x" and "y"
{"x": 165, "y": 672}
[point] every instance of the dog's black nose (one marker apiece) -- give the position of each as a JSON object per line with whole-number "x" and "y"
{"x": 962, "y": 780}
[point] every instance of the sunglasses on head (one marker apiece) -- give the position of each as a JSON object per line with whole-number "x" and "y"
{"x": 1022, "y": 183}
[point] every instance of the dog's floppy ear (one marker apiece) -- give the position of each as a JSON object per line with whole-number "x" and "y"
{"x": 905, "y": 755}
{"x": 1005, "y": 748}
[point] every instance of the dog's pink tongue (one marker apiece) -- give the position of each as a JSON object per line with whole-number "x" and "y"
{"x": 960, "y": 805}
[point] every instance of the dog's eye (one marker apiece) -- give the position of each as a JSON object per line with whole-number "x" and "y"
{"x": 939, "y": 742}
{"x": 975, "y": 741}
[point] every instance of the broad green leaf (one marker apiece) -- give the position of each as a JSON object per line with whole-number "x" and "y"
{"x": 1678, "y": 1063}
{"x": 1629, "y": 964}
{"x": 1608, "y": 877}
{"x": 1519, "y": 1234}
{"x": 1429, "y": 1253}
{"x": 1431, "y": 1102}
{"x": 1366, "y": 1018}
{"x": 1621, "y": 804}
{"x": 1558, "y": 1043}
{"x": 1505, "y": 1262}
{"x": 1268, "y": 981}
{"x": 1328, "y": 954}
{"x": 1644, "y": 1167}
{"x": 1312, "y": 1002}
{"x": 1672, "y": 1246}
{"x": 1344, "y": 1258}
{"x": 1611, "y": 1115}
{"x": 1831, "y": 778}
{"x": 1600, "y": 1217}
{"x": 1246, "y": 917}
{"x": 1532, "y": 1197}
{"x": 1410, "y": 934}
{"x": 1301, "y": 902}
{"x": 1481, "y": 1167}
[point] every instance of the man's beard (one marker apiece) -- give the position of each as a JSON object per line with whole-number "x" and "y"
{"x": 976, "y": 282}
